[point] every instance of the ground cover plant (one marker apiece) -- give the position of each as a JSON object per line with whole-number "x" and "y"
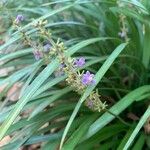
{"x": 74, "y": 74}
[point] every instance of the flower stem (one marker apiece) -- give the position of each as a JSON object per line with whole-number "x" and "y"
{"x": 124, "y": 122}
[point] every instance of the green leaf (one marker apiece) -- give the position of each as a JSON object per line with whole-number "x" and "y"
{"x": 35, "y": 123}
{"x": 78, "y": 134}
{"x": 104, "y": 135}
{"x": 16, "y": 37}
{"x": 116, "y": 109}
{"x": 137, "y": 4}
{"x": 16, "y": 54}
{"x": 125, "y": 139}
{"x": 29, "y": 92}
{"x": 27, "y": 95}
{"x": 49, "y": 85}
{"x": 89, "y": 89}
{"x": 84, "y": 43}
{"x": 40, "y": 107}
{"x": 137, "y": 129}
{"x": 18, "y": 74}
{"x": 39, "y": 64}
{"x": 146, "y": 51}
{"x": 140, "y": 142}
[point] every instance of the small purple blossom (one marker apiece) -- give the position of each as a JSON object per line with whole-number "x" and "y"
{"x": 122, "y": 34}
{"x": 59, "y": 72}
{"x": 79, "y": 62}
{"x": 62, "y": 65}
{"x": 90, "y": 104}
{"x": 87, "y": 78}
{"x": 38, "y": 54}
{"x": 19, "y": 18}
{"x": 47, "y": 48}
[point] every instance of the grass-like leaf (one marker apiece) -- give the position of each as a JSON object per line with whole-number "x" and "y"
{"x": 89, "y": 89}
{"x": 137, "y": 129}
{"x": 117, "y": 109}
{"x": 27, "y": 95}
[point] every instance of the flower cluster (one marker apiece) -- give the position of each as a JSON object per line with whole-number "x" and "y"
{"x": 68, "y": 66}
{"x": 94, "y": 102}
{"x": 123, "y": 33}
{"x": 78, "y": 81}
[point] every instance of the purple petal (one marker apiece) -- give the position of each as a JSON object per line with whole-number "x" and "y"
{"x": 37, "y": 54}
{"x": 90, "y": 103}
{"x": 79, "y": 62}
{"x": 87, "y": 78}
{"x": 47, "y": 47}
{"x": 19, "y": 18}
{"x": 93, "y": 82}
{"x": 88, "y": 73}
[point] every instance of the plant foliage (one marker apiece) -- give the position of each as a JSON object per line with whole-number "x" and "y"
{"x": 90, "y": 88}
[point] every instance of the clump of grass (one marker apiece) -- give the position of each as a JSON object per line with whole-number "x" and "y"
{"x": 70, "y": 53}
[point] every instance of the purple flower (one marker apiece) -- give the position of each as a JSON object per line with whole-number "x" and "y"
{"x": 90, "y": 104}
{"x": 47, "y": 48}
{"x": 62, "y": 65}
{"x": 80, "y": 62}
{"x": 59, "y": 72}
{"x": 38, "y": 54}
{"x": 122, "y": 34}
{"x": 19, "y": 18}
{"x": 87, "y": 78}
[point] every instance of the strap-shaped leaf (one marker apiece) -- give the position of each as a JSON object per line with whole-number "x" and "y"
{"x": 89, "y": 89}
{"x": 117, "y": 109}
{"x": 16, "y": 37}
{"x": 137, "y": 129}
{"x": 38, "y": 81}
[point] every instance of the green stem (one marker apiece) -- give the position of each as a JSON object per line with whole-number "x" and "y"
{"x": 124, "y": 122}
